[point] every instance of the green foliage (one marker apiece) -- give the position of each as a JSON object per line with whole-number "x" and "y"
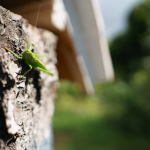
{"x": 128, "y": 107}
{"x": 130, "y": 48}
{"x": 116, "y": 118}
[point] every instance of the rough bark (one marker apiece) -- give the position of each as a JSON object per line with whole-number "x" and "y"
{"x": 26, "y": 104}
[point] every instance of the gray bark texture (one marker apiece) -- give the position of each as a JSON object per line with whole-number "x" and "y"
{"x": 26, "y": 104}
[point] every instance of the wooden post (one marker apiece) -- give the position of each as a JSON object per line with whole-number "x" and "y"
{"x": 27, "y": 104}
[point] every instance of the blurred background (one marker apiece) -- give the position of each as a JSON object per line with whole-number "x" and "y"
{"x": 110, "y": 116}
{"x": 117, "y": 116}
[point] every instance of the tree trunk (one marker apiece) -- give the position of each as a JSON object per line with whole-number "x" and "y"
{"x": 26, "y": 104}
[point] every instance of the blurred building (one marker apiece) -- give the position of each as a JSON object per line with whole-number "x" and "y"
{"x": 88, "y": 32}
{"x": 82, "y": 50}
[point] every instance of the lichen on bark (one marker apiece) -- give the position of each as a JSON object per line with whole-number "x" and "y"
{"x": 26, "y": 105}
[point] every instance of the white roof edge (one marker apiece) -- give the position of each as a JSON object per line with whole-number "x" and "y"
{"x": 89, "y": 38}
{"x": 103, "y": 42}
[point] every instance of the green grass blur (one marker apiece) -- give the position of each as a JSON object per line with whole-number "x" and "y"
{"x": 117, "y": 117}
